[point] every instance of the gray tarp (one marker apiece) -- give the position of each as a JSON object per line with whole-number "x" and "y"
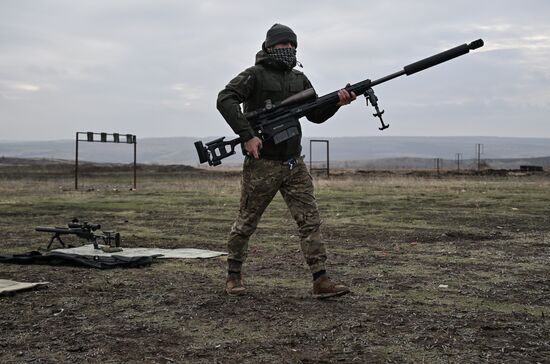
{"x": 185, "y": 253}
{"x": 12, "y": 286}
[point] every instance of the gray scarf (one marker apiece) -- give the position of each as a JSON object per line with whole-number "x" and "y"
{"x": 286, "y": 56}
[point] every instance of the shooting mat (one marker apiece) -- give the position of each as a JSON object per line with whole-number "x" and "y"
{"x": 12, "y": 286}
{"x": 181, "y": 253}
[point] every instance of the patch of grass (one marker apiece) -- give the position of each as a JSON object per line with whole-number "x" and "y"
{"x": 393, "y": 239}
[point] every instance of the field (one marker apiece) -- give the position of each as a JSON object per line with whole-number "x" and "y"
{"x": 451, "y": 269}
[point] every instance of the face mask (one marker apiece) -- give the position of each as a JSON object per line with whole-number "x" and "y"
{"x": 287, "y": 56}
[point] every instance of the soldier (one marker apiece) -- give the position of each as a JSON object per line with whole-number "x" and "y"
{"x": 269, "y": 168}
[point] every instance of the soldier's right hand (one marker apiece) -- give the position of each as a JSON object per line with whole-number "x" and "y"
{"x": 253, "y": 146}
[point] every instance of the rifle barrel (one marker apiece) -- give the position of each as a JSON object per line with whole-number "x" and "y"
{"x": 361, "y": 87}
{"x": 44, "y": 229}
{"x": 442, "y": 57}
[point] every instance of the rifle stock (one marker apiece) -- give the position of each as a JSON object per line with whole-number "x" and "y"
{"x": 216, "y": 150}
{"x": 280, "y": 122}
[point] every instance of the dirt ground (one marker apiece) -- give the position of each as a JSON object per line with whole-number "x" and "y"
{"x": 442, "y": 270}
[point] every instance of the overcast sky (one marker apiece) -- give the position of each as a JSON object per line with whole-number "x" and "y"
{"x": 154, "y": 67}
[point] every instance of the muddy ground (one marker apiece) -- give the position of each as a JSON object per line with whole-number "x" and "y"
{"x": 452, "y": 269}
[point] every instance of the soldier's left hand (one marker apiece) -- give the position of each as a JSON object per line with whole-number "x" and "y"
{"x": 345, "y": 96}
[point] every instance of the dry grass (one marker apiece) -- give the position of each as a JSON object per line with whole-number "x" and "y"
{"x": 393, "y": 238}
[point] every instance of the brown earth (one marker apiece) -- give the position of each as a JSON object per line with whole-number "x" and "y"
{"x": 442, "y": 270}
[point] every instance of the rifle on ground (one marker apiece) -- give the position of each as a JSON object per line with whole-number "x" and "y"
{"x": 280, "y": 122}
{"x": 84, "y": 230}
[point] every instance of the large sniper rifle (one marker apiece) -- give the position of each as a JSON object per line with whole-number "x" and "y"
{"x": 83, "y": 230}
{"x": 280, "y": 122}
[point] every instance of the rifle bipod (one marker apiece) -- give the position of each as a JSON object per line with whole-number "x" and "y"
{"x": 370, "y": 96}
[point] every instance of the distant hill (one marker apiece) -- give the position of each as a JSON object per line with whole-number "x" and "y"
{"x": 396, "y": 152}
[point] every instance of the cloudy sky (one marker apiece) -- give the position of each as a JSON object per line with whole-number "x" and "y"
{"x": 154, "y": 67}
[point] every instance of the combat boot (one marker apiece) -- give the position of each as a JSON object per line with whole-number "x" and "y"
{"x": 324, "y": 287}
{"x": 234, "y": 285}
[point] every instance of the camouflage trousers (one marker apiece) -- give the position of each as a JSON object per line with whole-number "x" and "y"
{"x": 261, "y": 180}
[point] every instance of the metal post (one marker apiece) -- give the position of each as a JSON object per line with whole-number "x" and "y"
{"x": 135, "y": 163}
{"x": 458, "y": 155}
{"x": 479, "y": 151}
{"x": 478, "y": 147}
{"x": 310, "y": 156}
{"x": 76, "y": 165}
{"x": 328, "y": 159}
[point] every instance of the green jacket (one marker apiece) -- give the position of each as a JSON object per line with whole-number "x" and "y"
{"x": 267, "y": 79}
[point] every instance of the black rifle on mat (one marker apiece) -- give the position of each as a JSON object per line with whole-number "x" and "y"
{"x": 84, "y": 230}
{"x": 280, "y": 122}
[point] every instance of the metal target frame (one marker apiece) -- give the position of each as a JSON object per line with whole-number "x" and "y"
{"x": 311, "y": 169}
{"x": 105, "y": 138}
